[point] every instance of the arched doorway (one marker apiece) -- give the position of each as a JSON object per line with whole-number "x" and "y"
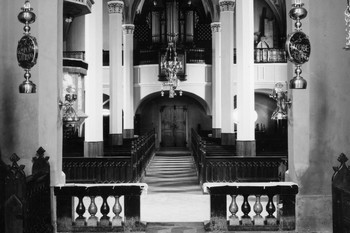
{"x": 172, "y": 118}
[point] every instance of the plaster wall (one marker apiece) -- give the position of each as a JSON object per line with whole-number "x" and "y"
{"x": 18, "y": 112}
{"x": 28, "y": 121}
{"x": 326, "y": 107}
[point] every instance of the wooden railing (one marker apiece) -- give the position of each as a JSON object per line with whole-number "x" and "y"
{"x": 116, "y": 166}
{"x": 92, "y": 200}
{"x": 27, "y": 204}
{"x": 265, "y": 206}
{"x": 221, "y": 164}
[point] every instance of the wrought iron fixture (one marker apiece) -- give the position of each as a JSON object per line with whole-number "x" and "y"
{"x": 347, "y": 26}
{"x": 280, "y": 94}
{"x": 27, "y": 48}
{"x": 171, "y": 64}
{"x": 298, "y": 45}
{"x": 70, "y": 117}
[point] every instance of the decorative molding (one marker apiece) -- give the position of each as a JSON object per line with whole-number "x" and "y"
{"x": 215, "y": 27}
{"x": 115, "y": 7}
{"x": 128, "y": 28}
{"x": 227, "y": 5}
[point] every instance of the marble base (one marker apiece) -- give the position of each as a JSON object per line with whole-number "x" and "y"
{"x": 117, "y": 221}
{"x": 233, "y": 221}
{"x": 92, "y": 221}
{"x": 93, "y": 149}
{"x": 80, "y": 222}
{"x": 104, "y": 222}
{"x": 116, "y": 139}
{"x": 216, "y": 133}
{"x": 258, "y": 221}
{"x": 246, "y": 222}
{"x": 246, "y": 148}
{"x": 128, "y": 133}
{"x": 228, "y": 139}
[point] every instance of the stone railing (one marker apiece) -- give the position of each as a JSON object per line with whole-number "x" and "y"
{"x": 88, "y": 208}
{"x": 266, "y": 206}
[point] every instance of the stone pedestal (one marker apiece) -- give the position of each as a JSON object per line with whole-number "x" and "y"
{"x": 117, "y": 221}
{"x": 246, "y": 148}
{"x": 92, "y": 221}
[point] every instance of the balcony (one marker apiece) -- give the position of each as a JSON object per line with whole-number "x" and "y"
{"x": 75, "y": 8}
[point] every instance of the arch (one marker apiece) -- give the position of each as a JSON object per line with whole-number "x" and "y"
{"x": 154, "y": 95}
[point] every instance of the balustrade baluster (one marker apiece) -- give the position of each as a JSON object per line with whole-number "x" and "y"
{"x": 258, "y": 208}
{"x": 233, "y": 208}
{"x": 80, "y": 210}
{"x": 246, "y": 220}
{"x": 104, "y": 221}
{"x": 117, "y": 209}
{"x": 92, "y": 221}
{"x": 270, "y": 208}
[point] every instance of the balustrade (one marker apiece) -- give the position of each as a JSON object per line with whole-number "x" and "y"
{"x": 266, "y": 206}
{"x": 93, "y": 210}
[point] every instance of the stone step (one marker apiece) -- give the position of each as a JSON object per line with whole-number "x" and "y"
{"x": 175, "y": 227}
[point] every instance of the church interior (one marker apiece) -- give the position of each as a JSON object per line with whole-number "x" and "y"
{"x": 216, "y": 115}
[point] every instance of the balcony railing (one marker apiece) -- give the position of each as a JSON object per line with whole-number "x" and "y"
{"x": 78, "y": 7}
{"x": 275, "y": 213}
{"x": 74, "y": 54}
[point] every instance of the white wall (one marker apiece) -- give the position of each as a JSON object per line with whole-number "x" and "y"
{"x": 198, "y": 80}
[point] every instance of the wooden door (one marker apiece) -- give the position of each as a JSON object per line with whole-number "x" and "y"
{"x": 173, "y": 123}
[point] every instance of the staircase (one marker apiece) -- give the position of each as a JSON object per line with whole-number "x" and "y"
{"x": 175, "y": 202}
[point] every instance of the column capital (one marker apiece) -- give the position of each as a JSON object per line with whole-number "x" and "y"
{"x": 215, "y": 27}
{"x": 128, "y": 28}
{"x": 115, "y": 7}
{"x": 227, "y": 5}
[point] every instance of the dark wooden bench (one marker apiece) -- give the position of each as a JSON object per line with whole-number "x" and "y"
{"x": 217, "y": 163}
{"x": 341, "y": 196}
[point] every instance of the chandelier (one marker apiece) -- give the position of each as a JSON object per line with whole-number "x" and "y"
{"x": 171, "y": 65}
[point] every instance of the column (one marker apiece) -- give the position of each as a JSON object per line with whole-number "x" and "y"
{"x": 216, "y": 79}
{"x": 128, "y": 36}
{"x": 115, "y": 9}
{"x": 245, "y": 78}
{"x": 227, "y": 42}
{"x": 93, "y": 145}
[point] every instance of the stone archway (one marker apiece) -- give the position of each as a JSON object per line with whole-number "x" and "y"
{"x": 172, "y": 118}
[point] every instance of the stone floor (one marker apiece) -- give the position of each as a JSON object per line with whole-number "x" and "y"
{"x": 173, "y": 191}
